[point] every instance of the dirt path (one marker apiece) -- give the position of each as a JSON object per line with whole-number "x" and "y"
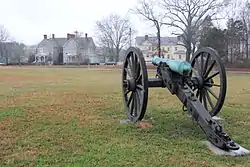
{"x": 110, "y": 67}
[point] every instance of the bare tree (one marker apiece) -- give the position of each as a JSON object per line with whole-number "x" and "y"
{"x": 187, "y": 17}
{"x": 244, "y": 16}
{"x": 4, "y": 37}
{"x": 114, "y": 33}
{"x": 148, "y": 10}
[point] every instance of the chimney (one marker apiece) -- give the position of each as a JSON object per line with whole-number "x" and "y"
{"x": 45, "y": 36}
{"x": 53, "y": 36}
{"x": 86, "y": 35}
{"x": 70, "y": 36}
{"x": 146, "y": 37}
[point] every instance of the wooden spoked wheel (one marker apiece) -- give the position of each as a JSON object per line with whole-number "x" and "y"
{"x": 135, "y": 84}
{"x": 210, "y": 74}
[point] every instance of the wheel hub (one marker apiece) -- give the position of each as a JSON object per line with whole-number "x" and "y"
{"x": 131, "y": 84}
{"x": 198, "y": 81}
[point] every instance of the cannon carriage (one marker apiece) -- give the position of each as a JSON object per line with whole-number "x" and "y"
{"x": 192, "y": 83}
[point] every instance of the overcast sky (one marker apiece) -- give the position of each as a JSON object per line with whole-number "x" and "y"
{"x": 28, "y": 20}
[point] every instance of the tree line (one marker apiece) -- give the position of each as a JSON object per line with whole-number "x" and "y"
{"x": 10, "y": 50}
{"x": 232, "y": 42}
{"x": 192, "y": 20}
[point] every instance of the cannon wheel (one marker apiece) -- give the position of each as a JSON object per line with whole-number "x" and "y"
{"x": 211, "y": 92}
{"x": 135, "y": 84}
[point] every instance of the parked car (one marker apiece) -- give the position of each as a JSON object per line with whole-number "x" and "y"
{"x": 110, "y": 63}
{"x": 2, "y": 64}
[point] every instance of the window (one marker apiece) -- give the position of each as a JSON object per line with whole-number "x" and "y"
{"x": 168, "y": 56}
{"x": 179, "y": 56}
{"x": 168, "y": 49}
{"x": 175, "y": 48}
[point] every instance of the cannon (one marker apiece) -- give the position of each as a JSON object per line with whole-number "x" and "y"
{"x": 192, "y": 82}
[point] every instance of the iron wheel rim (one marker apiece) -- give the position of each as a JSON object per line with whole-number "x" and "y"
{"x": 209, "y": 58}
{"x": 135, "y": 96}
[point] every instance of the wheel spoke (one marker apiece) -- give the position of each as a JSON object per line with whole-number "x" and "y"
{"x": 130, "y": 98}
{"x": 212, "y": 84}
{"x": 126, "y": 93}
{"x": 138, "y": 100}
{"x": 210, "y": 77}
{"x": 206, "y": 64}
{"x": 198, "y": 67}
{"x": 138, "y": 71}
{"x": 133, "y": 65}
{"x": 128, "y": 72}
{"x": 205, "y": 100}
{"x": 135, "y": 104}
{"x": 194, "y": 89}
{"x": 140, "y": 87}
{"x": 202, "y": 61}
{"x": 132, "y": 106}
{"x": 210, "y": 91}
{"x": 201, "y": 96}
{"x": 209, "y": 99}
{"x": 130, "y": 65}
{"x": 139, "y": 78}
{"x": 137, "y": 65}
{"x": 210, "y": 68}
{"x": 197, "y": 93}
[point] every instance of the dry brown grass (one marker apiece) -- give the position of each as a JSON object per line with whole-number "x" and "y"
{"x": 71, "y": 116}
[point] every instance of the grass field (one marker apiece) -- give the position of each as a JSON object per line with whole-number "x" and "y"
{"x": 71, "y": 117}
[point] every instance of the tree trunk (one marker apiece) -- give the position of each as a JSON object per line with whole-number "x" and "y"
{"x": 247, "y": 45}
{"x": 159, "y": 41}
{"x": 189, "y": 51}
{"x": 117, "y": 54}
{"x": 188, "y": 43}
{"x": 19, "y": 61}
{"x": 193, "y": 50}
{"x": 7, "y": 60}
{"x": 231, "y": 54}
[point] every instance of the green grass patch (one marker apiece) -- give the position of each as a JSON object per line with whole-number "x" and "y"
{"x": 71, "y": 117}
{"x": 11, "y": 112}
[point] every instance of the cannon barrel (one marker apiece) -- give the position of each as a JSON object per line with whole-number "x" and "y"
{"x": 181, "y": 67}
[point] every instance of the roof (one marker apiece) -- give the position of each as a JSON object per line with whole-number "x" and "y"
{"x": 153, "y": 40}
{"x": 83, "y": 42}
{"x": 60, "y": 41}
{"x": 55, "y": 41}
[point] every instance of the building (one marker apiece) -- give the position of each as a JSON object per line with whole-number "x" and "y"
{"x": 70, "y": 50}
{"x": 171, "y": 47}
{"x": 50, "y": 50}
{"x": 29, "y": 53}
{"x": 80, "y": 50}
